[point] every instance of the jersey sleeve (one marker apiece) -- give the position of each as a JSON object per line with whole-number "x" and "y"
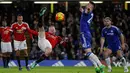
{"x": 12, "y": 26}
{"x": 117, "y": 30}
{"x": 102, "y": 33}
{"x": 27, "y": 26}
{"x": 32, "y": 32}
{"x": 46, "y": 34}
{"x": 10, "y": 29}
{"x": 59, "y": 39}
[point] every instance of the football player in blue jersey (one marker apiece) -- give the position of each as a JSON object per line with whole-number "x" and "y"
{"x": 86, "y": 37}
{"x": 115, "y": 41}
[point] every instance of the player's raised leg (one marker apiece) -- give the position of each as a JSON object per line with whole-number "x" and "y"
{"x": 41, "y": 39}
{"x": 44, "y": 45}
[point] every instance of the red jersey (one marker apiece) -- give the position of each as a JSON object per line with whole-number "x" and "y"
{"x": 5, "y": 34}
{"x": 19, "y": 31}
{"x": 53, "y": 39}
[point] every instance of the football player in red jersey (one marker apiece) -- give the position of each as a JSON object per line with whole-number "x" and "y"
{"x": 6, "y": 47}
{"x": 46, "y": 41}
{"x": 52, "y": 39}
{"x": 19, "y": 28}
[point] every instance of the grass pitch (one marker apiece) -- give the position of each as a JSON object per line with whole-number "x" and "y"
{"x": 59, "y": 70}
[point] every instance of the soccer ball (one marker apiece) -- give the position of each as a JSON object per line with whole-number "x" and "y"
{"x": 60, "y": 16}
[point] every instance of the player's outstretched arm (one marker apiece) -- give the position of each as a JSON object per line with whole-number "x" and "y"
{"x": 32, "y": 32}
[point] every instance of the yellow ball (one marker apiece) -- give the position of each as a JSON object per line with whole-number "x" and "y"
{"x": 60, "y": 16}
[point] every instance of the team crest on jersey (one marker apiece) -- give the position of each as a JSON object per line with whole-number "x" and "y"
{"x": 6, "y": 32}
{"x": 20, "y": 31}
{"x": 16, "y": 27}
{"x": 111, "y": 30}
{"x": 105, "y": 31}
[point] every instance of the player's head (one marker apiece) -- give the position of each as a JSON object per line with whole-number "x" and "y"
{"x": 52, "y": 29}
{"x": 107, "y": 21}
{"x": 90, "y": 5}
{"x": 4, "y": 23}
{"x": 19, "y": 18}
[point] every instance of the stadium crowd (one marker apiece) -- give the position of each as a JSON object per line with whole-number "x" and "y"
{"x": 69, "y": 29}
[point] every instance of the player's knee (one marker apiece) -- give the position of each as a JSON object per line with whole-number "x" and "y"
{"x": 26, "y": 54}
{"x": 47, "y": 53}
{"x": 4, "y": 55}
{"x": 8, "y": 55}
{"x": 17, "y": 53}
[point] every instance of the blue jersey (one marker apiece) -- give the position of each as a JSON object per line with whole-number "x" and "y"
{"x": 111, "y": 35}
{"x": 85, "y": 32}
{"x": 85, "y": 22}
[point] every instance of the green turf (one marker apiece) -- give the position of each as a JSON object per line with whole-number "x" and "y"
{"x": 59, "y": 70}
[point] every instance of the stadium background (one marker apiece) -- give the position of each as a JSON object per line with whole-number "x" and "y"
{"x": 118, "y": 10}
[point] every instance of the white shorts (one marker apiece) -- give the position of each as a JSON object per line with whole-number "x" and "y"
{"x": 20, "y": 45}
{"x": 6, "y": 47}
{"x": 44, "y": 44}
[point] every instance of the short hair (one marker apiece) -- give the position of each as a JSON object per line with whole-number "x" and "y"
{"x": 108, "y": 18}
{"x": 19, "y": 15}
{"x": 51, "y": 26}
{"x": 92, "y": 4}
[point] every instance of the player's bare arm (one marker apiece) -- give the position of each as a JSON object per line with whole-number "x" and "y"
{"x": 122, "y": 41}
{"x": 81, "y": 9}
{"x": 102, "y": 44}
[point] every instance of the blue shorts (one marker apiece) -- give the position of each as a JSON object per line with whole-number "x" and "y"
{"x": 114, "y": 48}
{"x": 85, "y": 40}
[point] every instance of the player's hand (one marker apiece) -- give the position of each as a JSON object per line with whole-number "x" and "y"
{"x": 81, "y": 9}
{"x": 123, "y": 46}
{"x": 61, "y": 42}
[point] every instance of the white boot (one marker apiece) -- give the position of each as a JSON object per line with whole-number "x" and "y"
{"x": 126, "y": 69}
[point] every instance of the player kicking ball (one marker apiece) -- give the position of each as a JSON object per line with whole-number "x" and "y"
{"x": 46, "y": 40}
{"x": 44, "y": 45}
{"x": 115, "y": 41}
{"x": 86, "y": 37}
